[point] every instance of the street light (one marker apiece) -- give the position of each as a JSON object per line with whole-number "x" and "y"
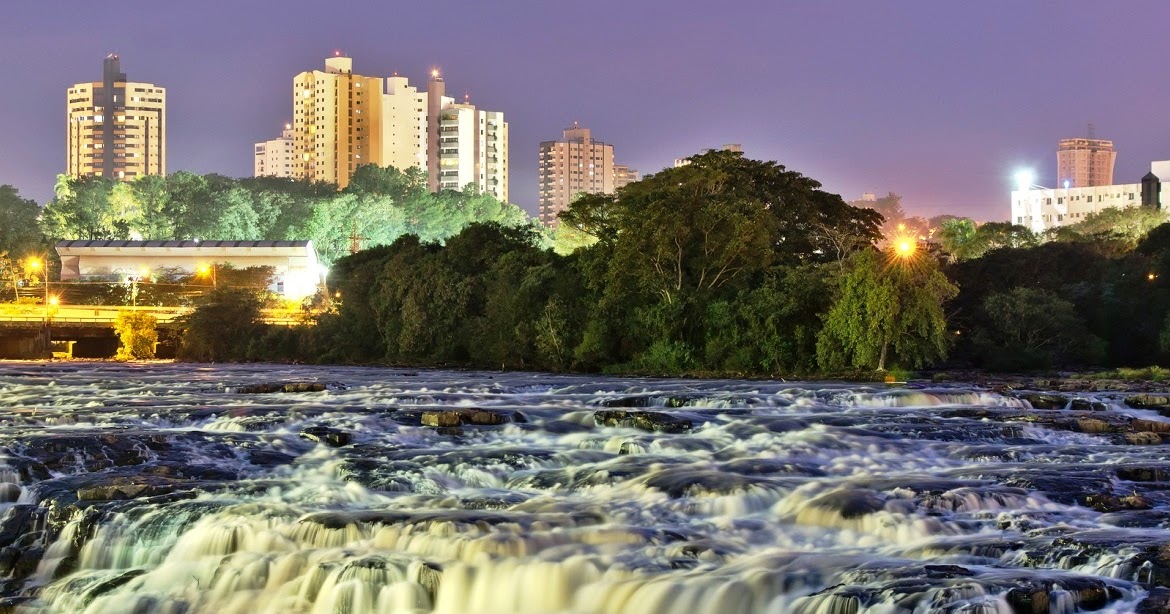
{"x": 905, "y": 247}
{"x": 205, "y": 270}
{"x": 1025, "y": 179}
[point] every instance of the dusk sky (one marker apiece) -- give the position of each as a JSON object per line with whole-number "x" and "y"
{"x": 938, "y": 101}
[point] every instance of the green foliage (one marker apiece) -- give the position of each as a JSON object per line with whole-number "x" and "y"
{"x": 19, "y": 231}
{"x": 222, "y": 326}
{"x": 380, "y": 205}
{"x": 886, "y": 309}
{"x": 138, "y": 333}
{"x": 1034, "y": 329}
{"x": 1114, "y": 230}
{"x": 963, "y": 240}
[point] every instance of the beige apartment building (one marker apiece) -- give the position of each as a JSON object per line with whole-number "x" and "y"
{"x": 116, "y": 128}
{"x": 623, "y": 176}
{"x": 404, "y": 130}
{"x": 1084, "y": 163}
{"x": 278, "y": 157}
{"x": 337, "y": 122}
{"x": 342, "y": 121}
{"x": 577, "y": 164}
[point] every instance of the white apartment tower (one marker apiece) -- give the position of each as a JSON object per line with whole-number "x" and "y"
{"x": 278, "y": 157}
{"x": 577, "y": 164}
{"x": 465, "y": 145}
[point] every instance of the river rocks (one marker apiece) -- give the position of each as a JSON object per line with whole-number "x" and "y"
{"x": 651, "y": 421}
{"x": 128, "y": 487}
{"x": 1157, "y": 602}
{"x": 1044, "y": 400}
{"x": 1142, "y": 438}
{"x": 278, "y": 387}
{"x": 468, "y": 417}
{"x": 1148, "y": 401}
{"x": 334, "y": 438}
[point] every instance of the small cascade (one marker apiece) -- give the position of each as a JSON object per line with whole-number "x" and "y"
{"x": 169, "y": 490}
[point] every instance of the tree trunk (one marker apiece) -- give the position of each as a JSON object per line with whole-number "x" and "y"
{"x": 882, "y": 359}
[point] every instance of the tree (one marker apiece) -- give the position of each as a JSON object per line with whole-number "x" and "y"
{"x": 19, "y": 227}
{"x": 886, "y": 306}
{"x": 1121, "y": 227}
{"x": 221, "y": 327}
{"x": 1033, "y": 328}
{"x": 137, "y": 331}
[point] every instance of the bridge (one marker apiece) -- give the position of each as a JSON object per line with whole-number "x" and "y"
{"x": 26, "y": 330}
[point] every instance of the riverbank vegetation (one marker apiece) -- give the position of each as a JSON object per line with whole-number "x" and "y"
{"x": 724, "y": 266}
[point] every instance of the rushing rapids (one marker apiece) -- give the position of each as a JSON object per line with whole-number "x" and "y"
{"x": 187, "y": 489}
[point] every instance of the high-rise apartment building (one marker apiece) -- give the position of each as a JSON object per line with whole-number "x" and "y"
{"x": 1084, "y": 163}
{"x": 623, "y": 176}
{"x": 342, "y": 121}
{"x": 576, "y": 164}
{"x": 404, "y": 125}
{"x": 116, "y": 128}
{"x": 337, "y": 121}
{"x": 278, "y": 157}
{"x": 465, "y": 144}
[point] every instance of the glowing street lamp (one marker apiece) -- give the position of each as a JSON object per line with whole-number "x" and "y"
{"x": 207, "y": 269}
{"x": 1025, "y": 178}
{"x": 905, "y": 247}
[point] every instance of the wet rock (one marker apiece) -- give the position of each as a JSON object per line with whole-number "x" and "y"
{"x": 468, "y": 417}
{"x": 331, "y": 437}
{"x": 1148, "y": 401}
{"x": 646, "y": 401}
{"x": 1143, "y": 474}
{"x": 1093, "y": 425}
{"x": 122, "y": 488}
{"x": 278, "y": 387}
{"x": 1142, "y": 439}
{"x": 1157, "y": 602}
{"x": 947, "y": 571}
{"x": 1028, "y": 600}
{"x": 1149, "y": 426}
{"x": 651, "y": 421}
{"x": 1087, "y": 405}
{"x": 1044, "y": 400}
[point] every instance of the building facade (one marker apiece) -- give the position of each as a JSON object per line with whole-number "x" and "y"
{"x": 337, "y": 122}
{"x": 465, "y": 145}
{"x": 623, "y": 176}
{"x": 116, "y": 128}
{"x": 1084, "y": 163}
{"x": 296, "y": 270}
{"x": 577, "y": 164}
{"x": 278, "y": 157}
{"x": 342, "y": 121}
{"x": 1043, "y": 209}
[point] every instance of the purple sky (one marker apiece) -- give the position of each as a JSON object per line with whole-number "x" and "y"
{"x": 938, "y": 101}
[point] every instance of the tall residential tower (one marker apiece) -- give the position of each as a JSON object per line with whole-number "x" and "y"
{"x": 116, "y": 128}
{"x": 576, "y": 164}
{"x": 337, "y": 121}
{"x": 1084, "y": 163}
{"x": 342, "y": 121}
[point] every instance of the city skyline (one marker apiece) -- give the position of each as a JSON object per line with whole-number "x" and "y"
{"x": 913, "y": 98}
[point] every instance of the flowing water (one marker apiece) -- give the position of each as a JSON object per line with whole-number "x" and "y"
{"x": 170, "y": 488}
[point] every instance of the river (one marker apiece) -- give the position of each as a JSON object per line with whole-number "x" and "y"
{"x": 174, "y": 488}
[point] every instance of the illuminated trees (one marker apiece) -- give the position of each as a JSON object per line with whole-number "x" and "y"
{"x": 887, "y": 308}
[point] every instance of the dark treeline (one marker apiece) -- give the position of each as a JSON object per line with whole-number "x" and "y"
{"x": 740, "y": 267}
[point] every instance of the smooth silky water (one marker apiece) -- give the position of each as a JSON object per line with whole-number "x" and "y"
{"x": 158, "y": 488}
